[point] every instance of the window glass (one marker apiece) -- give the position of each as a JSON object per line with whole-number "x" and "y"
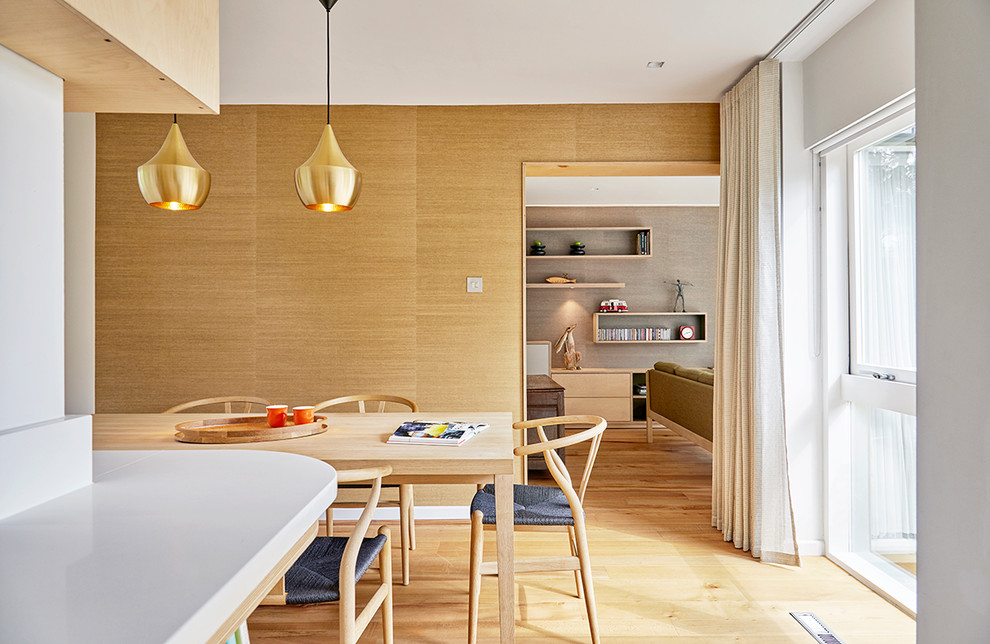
{"x": 883, "y": 236}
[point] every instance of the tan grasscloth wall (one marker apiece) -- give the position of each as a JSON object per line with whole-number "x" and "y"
{"x": 253, "y": 294}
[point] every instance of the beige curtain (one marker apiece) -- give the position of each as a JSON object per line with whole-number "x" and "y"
{"x": 751, "y": 502}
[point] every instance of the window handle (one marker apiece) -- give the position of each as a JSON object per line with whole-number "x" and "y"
{"x": 884, "y": 376}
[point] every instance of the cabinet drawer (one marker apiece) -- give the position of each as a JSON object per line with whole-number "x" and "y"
{"x": 617, "y": 409}
{"x": 596, "y": 385}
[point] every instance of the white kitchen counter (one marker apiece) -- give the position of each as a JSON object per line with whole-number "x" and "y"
{"x": 163, "y": 547}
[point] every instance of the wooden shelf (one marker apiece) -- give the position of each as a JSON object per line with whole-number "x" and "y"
{"x": 623, "y": 169}
{"x": 588, "y": 256}
{"x": 601, "y": 242}
{"x": 650, "y": 341}
{"x": 629, "y": 321}
{"x": 603, "y": 228}
{"x": 580, "y": 285}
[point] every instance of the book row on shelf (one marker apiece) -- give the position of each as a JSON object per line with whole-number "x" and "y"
{"x": 643, "y": 241}
{"x": 628, "y": 335}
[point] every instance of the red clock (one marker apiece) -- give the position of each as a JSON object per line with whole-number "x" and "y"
{"x": 687, "y": 332}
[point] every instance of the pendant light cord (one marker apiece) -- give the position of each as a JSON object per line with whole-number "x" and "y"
{"x": 328, "y": 66}
{"x": 175, "y": 118}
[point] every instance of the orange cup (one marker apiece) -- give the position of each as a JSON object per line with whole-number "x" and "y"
{"x": 302, "y": 415}
{"x": 277, "y": 415}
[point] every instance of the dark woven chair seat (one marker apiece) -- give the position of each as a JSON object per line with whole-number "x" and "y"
{"x": 315, "y": 577}
{"x": 532, "y": 505}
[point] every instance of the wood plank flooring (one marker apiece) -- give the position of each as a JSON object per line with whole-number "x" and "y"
{"x": 662, "y": 574}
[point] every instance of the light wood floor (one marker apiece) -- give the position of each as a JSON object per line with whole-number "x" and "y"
{"x": 662, "y": 574}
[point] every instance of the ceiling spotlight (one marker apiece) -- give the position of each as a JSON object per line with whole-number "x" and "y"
{"x": 655, "y": 64}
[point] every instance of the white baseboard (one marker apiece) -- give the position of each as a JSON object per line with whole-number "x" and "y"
{"x": 423, "y": 513}
{"x": 811, "y": 548}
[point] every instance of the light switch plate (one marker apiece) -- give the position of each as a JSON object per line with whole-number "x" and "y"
{"x": 474, "y": 285}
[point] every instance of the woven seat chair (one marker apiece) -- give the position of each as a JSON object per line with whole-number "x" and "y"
{"x": 329, "y": 569}
{"x": 542, "y": 508}
{"x": 231, "y": 404}
{"x": 379, "y": 403}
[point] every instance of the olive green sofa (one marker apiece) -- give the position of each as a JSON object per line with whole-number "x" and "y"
{"x": 682, "y": 400}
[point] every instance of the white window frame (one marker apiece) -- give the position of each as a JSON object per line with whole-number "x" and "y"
{"x": 842, "y": 389}
{"x": 853, "y": 146}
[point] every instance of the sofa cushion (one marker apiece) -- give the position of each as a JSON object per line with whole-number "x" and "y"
{"x": 667, "y": 367}
{"x": 706, "y": 377}
{"x": 698, "y": 375}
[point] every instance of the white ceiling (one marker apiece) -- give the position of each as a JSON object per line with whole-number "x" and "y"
{"x": 468, "y": 52}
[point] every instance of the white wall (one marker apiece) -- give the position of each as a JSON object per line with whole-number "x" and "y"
{"x": 866, "y": 65}
{"x": 31, "y": 283}
{"x": 80, "y": 263}
{"x": 953, "y": 314}
{"x": 863, "y": 67}
{"x": 802, "y": 368}
{"x": 42, "y": 454}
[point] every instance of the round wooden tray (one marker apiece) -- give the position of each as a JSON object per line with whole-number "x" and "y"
{"x": 247, "y": 429}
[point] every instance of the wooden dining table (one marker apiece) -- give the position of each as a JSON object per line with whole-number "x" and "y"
{"x": 359, "y": 440}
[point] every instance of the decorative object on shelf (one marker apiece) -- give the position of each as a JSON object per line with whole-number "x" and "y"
{"x": 686, "y": 332}
{"x": 613, "y": 306}
{"x": 643, "y": 242}
{"x": 327, "y": 181}
{"x": 561, "y": 279}
{"x": 538, "y": 248}
{"x": 172, "y": 180}
{"x": 640, "y": 390}
{"x": 566, "y": 343}
{"x": 680, "y": 292}
{"x": 577, "y": 248}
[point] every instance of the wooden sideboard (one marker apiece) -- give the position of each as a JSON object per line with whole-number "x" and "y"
{"x": 609, "y": 393}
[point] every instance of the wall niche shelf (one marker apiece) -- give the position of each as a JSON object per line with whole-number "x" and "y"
{"x": 610, "y": 327}
{"x": 580, "y": 285}
{"x": 601, "y": 242}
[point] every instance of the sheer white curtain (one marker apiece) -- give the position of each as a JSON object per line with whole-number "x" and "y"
{"x": 885, "y": 229}
{"x": 751, "y": 501}
{"x": 886, "y": 334}
{"x": 893, "y": 475}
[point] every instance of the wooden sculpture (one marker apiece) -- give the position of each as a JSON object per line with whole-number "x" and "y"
{"x": 561, "y": 279}
{"x": 566, "y": 343}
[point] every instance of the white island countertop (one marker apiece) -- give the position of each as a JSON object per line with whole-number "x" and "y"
{"x": 163, "y": 547}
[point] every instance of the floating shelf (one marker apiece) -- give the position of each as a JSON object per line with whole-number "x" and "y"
{"x": 601, "y": 242}
{"x": 602, "y": 228}
{"x": 643, "y": 324}
{"x": 580, "y": 285}
{"x": 588, "y": 256}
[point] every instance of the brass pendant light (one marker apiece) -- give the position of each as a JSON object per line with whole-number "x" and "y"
{"x": 327, "y": 181}
{"x": 172, "y": 179}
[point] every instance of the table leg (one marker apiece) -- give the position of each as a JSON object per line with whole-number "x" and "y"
{"x": 505, "y": 556}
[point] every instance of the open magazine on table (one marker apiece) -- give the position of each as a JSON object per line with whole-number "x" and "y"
{"x": 430, "y": 432}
